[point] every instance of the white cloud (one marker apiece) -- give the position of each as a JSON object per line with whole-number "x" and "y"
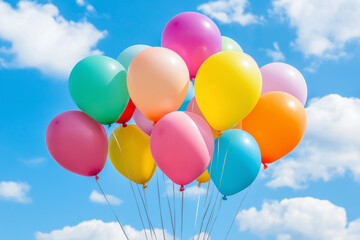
{"x": 15, "y": 191}
{"x": 299, "y": 219}
{"x": 275, "y": 54}
{"x": 98, "y": 230}
{"x": 330, "y": 148}
{"x": 40, "y": 37}
{"x": 96, "y": 197}
{"x": 202, "y": 235}
{"x": 230, "y": 11}
{"x": 323, "y": 27}
{"x": 88, "y": 6}
{"x": 34, "y": 161}
{"x": 190, "y": 192}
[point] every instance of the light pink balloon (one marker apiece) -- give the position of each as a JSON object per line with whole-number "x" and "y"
{"x": 182, "y": 145}
{"x": 142, "y": 122}
{"x": 77, "y": 142}
{"x": 285, "y": 78}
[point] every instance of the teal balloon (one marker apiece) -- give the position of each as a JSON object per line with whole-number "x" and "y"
{"x": 129, "y": 53}
{"x": 228, "y": 44}
{"x": 238, "y": 164}
{"x": 97, "y": 85}
{"x": 189, "y": 95}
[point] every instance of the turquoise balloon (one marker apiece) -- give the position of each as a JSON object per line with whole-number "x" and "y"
{"x": 97, "y": 85}
{"x": 228, "y": 44}
{"x": 189, "y": 95}
{"x": 238, "y": 164}
{"x": 129, "y": 53}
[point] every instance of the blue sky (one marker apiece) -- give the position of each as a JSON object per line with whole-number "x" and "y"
{"x": 311, "y": 194}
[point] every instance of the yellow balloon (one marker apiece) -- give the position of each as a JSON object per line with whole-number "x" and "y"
{"x": 205, "y": 177}
{"x": 227, "y": 87}
{"x": 130, "y": 154}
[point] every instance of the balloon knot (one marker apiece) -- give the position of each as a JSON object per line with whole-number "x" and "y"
{"x": 199, "y": 184}
{"x": 144, "y": 186}
{"x": 124, "y": 124}
{"x": 182, "y": 188}
{"x": 219, "y": 134}
{"x": 265, "y": 166}
{"x": 109, "y": 125}
{"x": 154, "y": 123}
{"x": 224, "y": 197}
{"x": 96, "y": 177}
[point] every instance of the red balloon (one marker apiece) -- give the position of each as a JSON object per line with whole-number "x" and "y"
{"x": 127, "y": 114}
{"x": 77, "y": 142}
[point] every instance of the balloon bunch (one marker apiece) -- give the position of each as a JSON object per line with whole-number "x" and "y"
{"x": 197, "y": 89}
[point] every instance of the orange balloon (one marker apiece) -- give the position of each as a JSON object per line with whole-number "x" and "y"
{"x": 157, "y": 80}
{"x": 238, "y": 126}
{"x": 277, "y": 123}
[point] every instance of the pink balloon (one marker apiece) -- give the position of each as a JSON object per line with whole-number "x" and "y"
{"x": 194, "y": 108}
{"x": 194, "y": 36}
{"x": 77, "y": 142}
{"x": 285, "y": 78}
{"x": 182, "y": 145}
{"x": 142, "y": 122}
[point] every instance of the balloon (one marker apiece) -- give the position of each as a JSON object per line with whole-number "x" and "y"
{"x": 158, "y": 81}
{"x": 97, "y": 85}
{"x": 194, "y": 36}
{"x": 190, "y": 94}
{"x": 77, "y": 143}
{"x": 284, "y": 78}
{"x": 227, "y": 88}
{"x": 277, "y": 123}
{"x": 142, "y": 122}
{"x": 238, "y": 126}
{"x": 238, "y": 163}
{"x": 129, "y": 152}
{"x": 228, "y": 44}
{"x": 127, "y": 114}
{"x": 182, "y": 145}
{"x": 204, "y": 178}
{"x": 129, "y": 53}
{"x": 194, "y": 108}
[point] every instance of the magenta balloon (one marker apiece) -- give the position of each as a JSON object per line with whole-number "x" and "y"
{"x": 77, "y": 142}
{"x": 285, "y": 78}
{"x": 142, "y": 122}
{"x": 194, "y": 36}
{"x": 182, "y": 145}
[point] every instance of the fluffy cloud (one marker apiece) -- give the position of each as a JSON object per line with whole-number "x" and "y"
{"x": 88, "y": 6}
{"x": 323, "y": 27}
{"x": 34, "y": 161}
{"x": 330, "y": 148}
{"x": 15, "y": 191}
{"x": 275, "y": 54}
{"x": 40, "y": 37}
{"x": 96, "y": 197}
{"x": 229, "y": 11}
{"x": 190, "y": 192}
{"x": 98, "y": 230}
{"x": 298, "y": 219}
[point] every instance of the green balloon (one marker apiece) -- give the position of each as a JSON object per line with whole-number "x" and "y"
{"x": 228, "y": 44}
{"x": 97, "y": 85}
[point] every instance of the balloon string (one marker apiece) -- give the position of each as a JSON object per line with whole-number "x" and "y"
{"x": 222, "y": 171}
{"x": 111, "y": 208}
{"x": 207, "y": 208}
{"x": 132, "y": 188}
{"x": 196, "y": 215}
{"x": 168, "y": 201}
{"x": 207, "y": 190}
{"x": 217, "y": 214}
{"x": 158, "y": 190}
{"x": 182, "y": 212}
{"x": 211, "y": 214}
{"x": 145, "y": 198}
{"x": 232, "y": 223}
